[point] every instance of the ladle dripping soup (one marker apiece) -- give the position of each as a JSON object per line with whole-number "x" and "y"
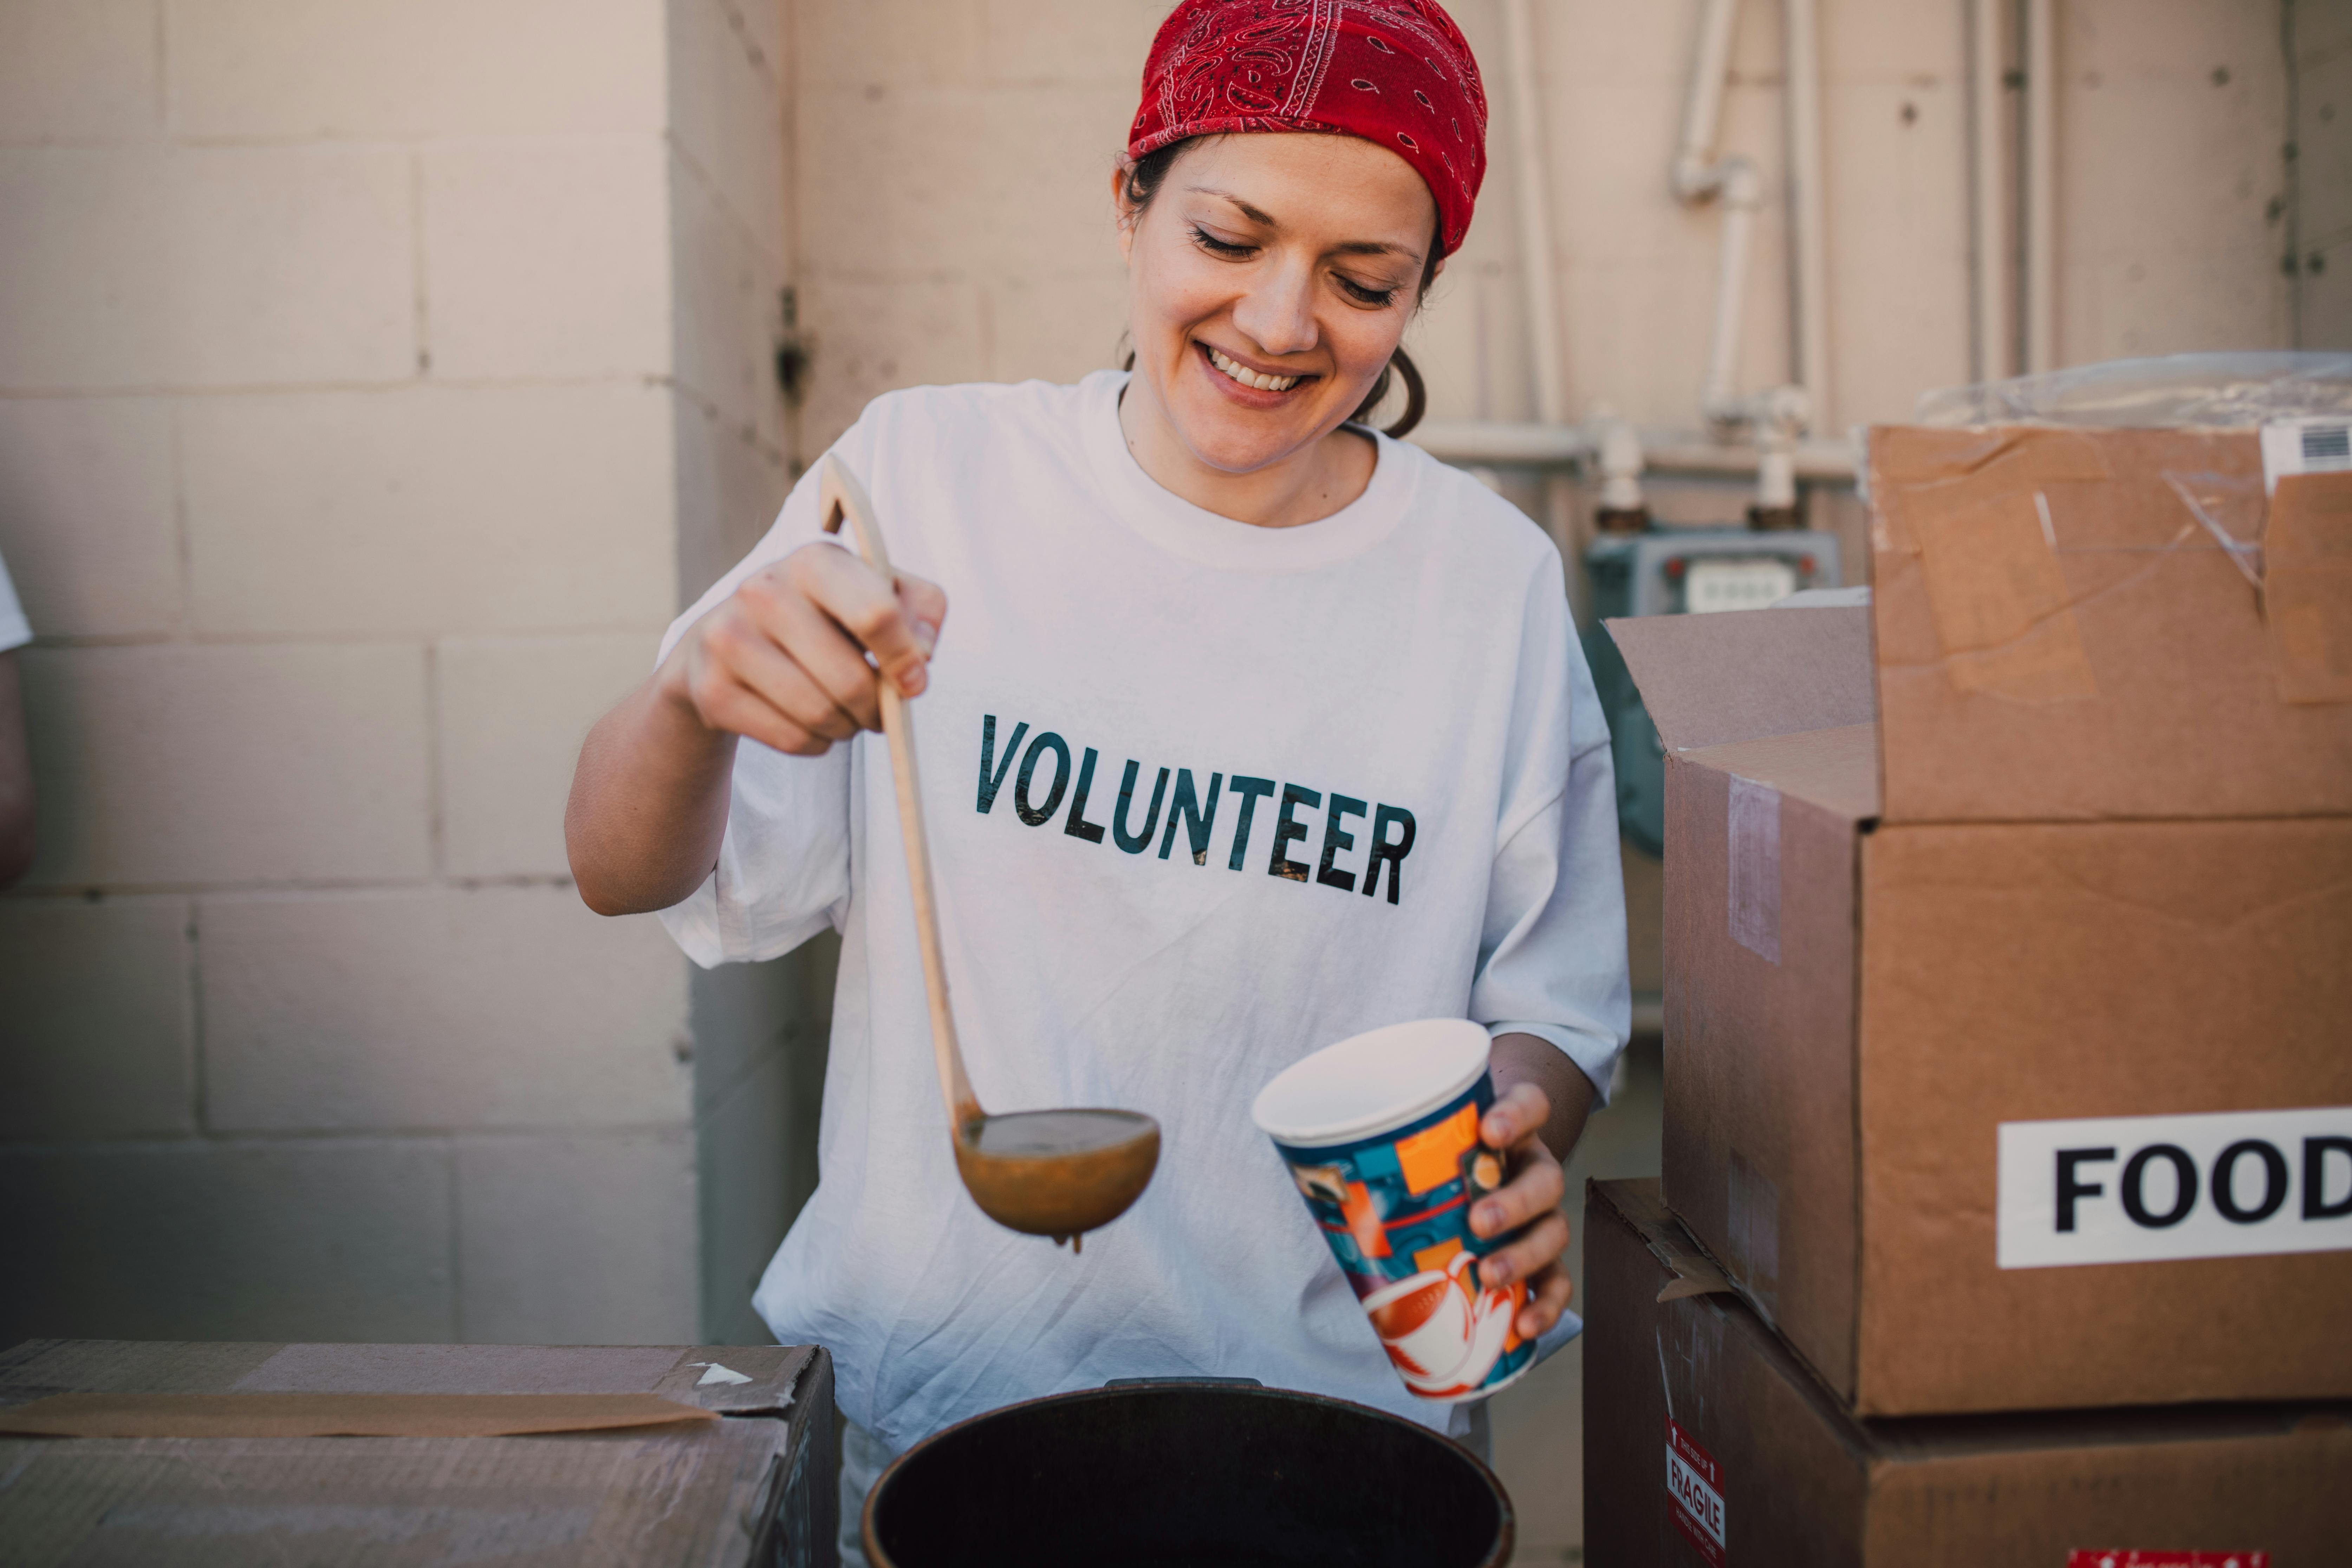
{"x": 1046, "y": 1172}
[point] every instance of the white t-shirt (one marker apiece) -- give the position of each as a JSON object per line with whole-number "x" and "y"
{"x": 15, "y": 630}
{"x": 1203, "y": 797}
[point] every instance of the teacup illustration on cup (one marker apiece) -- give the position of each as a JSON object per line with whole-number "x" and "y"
{"x": 1442, "y": 1332}
{"x": 1380, "y": 1134}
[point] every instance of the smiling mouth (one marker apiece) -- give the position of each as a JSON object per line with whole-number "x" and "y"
{"x": 1232, "y": 370}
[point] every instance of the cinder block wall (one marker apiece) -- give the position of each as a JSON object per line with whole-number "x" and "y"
{"x": 376, "y": 379}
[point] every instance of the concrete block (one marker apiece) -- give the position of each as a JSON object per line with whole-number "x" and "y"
{"x": 2323, "y": 145}
{"x": 513, "y": 712}
{"x": 414, "y": 68}
{"x": 1056, "y": 43}
{"x": 2327, "y": 298}
{"x": 981, "y": 181}
{"x": 2171, "y": 302}
{"x": 894, "y": 43}
{"x": 173, "y": 765}
{"x": 2155, "y": 160}
{"x": 726, "y": 114}
{"x": 1588, "y": 41}
{"x": 86, "y": 514}
{"x": 578, "y": 1240}
{"x": 292, "y": 264}
{"x": 730, "y": 489}
{"x": 430, "y": 509}
{"x": 79, "y": 70}
{"x": 442, "y": 1007}
{"x": 300, "y": 1240}
{"x": 873, "y": 337}
{"x": 206, "y": 267}
{"x": 84, "y": 284}
{"x": 97, "y": 1019}
{"x": 1058, "y": 329}
{"x": 764, "y": 27}
{"x": 1918, "y": 43}
{"x": 546, "y": 259}
{"x": 728, "y": 308}
{"x": 1899, "y": 248}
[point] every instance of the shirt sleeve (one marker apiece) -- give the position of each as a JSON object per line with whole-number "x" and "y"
{"x": 1552, "y": 955}
{"x": 15, "y": 630}
{"x": 783, "y": 865}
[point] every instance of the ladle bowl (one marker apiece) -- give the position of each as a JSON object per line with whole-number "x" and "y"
{"x": 1046, "y": 1172}
{"x": 1057, "y": 1173}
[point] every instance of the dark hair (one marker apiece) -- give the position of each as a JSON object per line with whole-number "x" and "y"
{"x": 1149, "y": 172}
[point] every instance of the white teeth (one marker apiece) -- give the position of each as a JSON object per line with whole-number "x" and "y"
{"x": 1249, "y": 377}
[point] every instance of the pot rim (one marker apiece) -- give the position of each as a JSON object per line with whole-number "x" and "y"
{"x": 1506, "y": 1520}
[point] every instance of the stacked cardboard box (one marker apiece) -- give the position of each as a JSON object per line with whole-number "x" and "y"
{"x": 413, "y": 1454}
{"x": 2009, "y": 944}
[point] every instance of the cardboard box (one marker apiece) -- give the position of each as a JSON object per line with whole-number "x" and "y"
{"x": 609, "y": 1473}
{"x": 1707, "y": 1443}
{"x": 1998, "y": 908}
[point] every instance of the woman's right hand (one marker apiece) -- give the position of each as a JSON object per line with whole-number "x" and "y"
{"x": 784, "y": 659}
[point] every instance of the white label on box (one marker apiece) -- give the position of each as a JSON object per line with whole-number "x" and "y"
{"x": 2145, "y": 1189}
{"x": 2322, "y": 446}
{"x": 1694, "y": 1486}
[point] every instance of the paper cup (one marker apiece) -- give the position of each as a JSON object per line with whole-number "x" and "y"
{"x": 1381, "y": 1132}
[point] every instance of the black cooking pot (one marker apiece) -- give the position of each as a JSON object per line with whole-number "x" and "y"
{"x": 1170, "y": 1472}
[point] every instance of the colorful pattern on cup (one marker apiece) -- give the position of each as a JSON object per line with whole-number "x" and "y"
{"x": 1395, "y": 1208}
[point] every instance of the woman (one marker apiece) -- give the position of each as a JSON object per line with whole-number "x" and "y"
{"x": 1254, "y": 729}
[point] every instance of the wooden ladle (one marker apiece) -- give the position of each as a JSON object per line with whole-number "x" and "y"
{"x": 1048, "y": 1172}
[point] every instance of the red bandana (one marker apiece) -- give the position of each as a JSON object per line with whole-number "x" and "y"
{"x": 1395, "y": 72}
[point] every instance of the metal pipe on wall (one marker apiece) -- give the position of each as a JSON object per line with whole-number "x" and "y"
{"x": 1545, "y": 350}
{"x": 1703, "y": 109}
{"x": 1808, "y": 228}
{"x": 1741, "y": 192}
{"x": 1535, "y": 214}
{"x": 1988, "y": 195}
{"x": 2040, "y": 52}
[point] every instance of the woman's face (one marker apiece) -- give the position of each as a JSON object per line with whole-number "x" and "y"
{"x": 1268, "y": 283}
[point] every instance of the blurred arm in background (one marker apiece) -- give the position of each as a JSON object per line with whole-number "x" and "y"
{"x": 15, "y": 762}
{"x": 16, "y": 778}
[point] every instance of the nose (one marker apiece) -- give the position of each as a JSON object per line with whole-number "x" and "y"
{"x": 1277, "y": 313}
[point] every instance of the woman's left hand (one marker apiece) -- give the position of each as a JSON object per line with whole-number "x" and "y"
{"x": 1513, "y": 1127}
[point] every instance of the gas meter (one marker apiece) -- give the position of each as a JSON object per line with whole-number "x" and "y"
{"x": 1680, "y": 571}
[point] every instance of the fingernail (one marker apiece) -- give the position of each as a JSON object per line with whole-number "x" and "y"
{"x": 928, "y": 635}
{"x": 912, "y": 681}
{"x": 1488, "y": 1217}
{"x": 1493, "y": 1272}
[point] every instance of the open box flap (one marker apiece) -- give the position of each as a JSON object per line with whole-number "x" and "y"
{"x": 2092, "y": 624}
{"x": 1739, "y": 674}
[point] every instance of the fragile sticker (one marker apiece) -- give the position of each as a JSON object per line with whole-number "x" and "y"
{"x": 1695, "y": 1493}
{"x": 2142, "y": 1189}
{"x": 2168, "y": 1560}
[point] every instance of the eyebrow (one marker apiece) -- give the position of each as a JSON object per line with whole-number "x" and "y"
{"x": 1347, "y": 248}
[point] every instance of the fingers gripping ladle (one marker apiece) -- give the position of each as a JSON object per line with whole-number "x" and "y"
{"x": 1048, "y": 1172}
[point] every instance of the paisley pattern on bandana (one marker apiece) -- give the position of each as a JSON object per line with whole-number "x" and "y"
{"x": 1395, "y": 72}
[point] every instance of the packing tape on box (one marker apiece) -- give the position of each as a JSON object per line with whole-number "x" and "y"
{"x": 2307, "y": 587}
{"x": 1754, "y": 855}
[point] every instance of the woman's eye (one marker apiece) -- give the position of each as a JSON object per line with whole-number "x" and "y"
{"x": 1215, "y": 246}
{"x": 1366, "y": 295}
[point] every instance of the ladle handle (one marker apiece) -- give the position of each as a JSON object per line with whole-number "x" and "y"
{"x": 840, "y": 496}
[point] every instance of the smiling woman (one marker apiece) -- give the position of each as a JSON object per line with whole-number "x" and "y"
{"x": 1204, "y": 595}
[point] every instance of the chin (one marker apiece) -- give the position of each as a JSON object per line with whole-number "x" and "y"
{"x": 1239, "y": 440}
